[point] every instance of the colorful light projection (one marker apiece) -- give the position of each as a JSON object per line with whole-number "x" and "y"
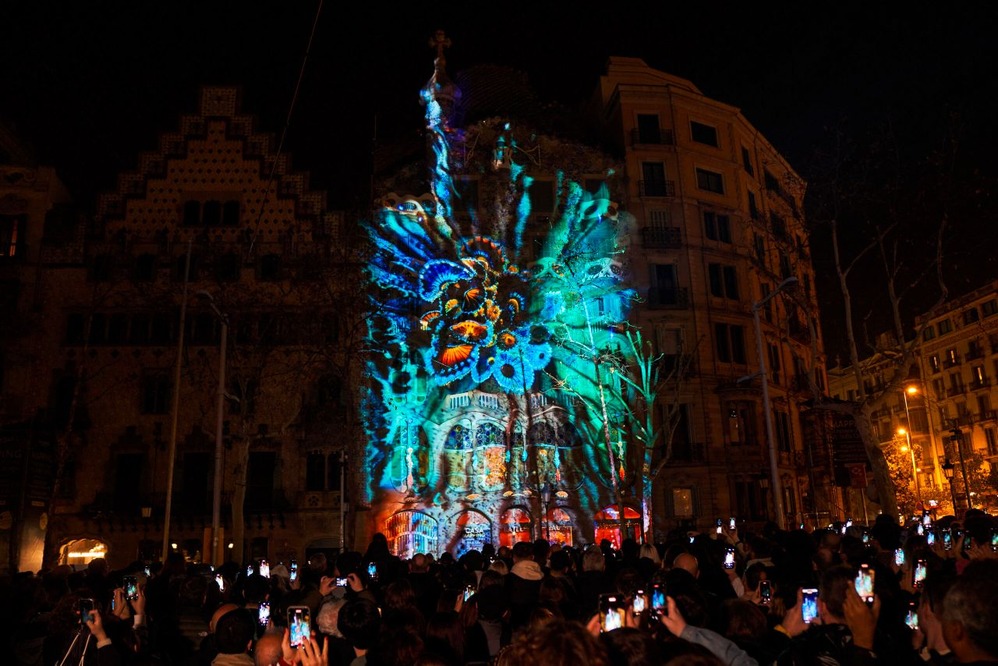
{"x": 487, "y": 336}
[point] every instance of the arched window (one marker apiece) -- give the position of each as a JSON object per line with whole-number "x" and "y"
{"x": 411, "y": 532}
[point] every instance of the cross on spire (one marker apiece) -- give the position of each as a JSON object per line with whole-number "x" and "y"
{"x": 440, "y": 41}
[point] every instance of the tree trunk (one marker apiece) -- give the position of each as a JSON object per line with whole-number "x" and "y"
{"x": 238, "y": 498}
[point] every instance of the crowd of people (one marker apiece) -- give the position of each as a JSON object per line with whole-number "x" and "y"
{"x": 919, "y": 593}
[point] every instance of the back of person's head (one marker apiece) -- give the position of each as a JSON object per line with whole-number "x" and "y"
{"x": 690, "y": 599}
{"x": 937, "y": 584}
{"x": 541, "y": 550}
{"x": 234, "y": 631}
{"x": 978, "y": 525}
{"x": 445, "y": 635}
{"x": 650, "y": 552}
{"x": 593, "y": 559}
{"x": 193, "y": 590}
{"x": 523, "y": 550}
{"x": 396, "y": 647}
{"x": 753, "y": 574}
{"x": 360, "y": 623}
{"x": 490, "y": 577}
{"x": 348, "y": 562}
{"x": 887, "y": 532}
{"x": 267, "y": 650}
{"x": 970, "y": 602}
{"x": 561, "y": 561}
{"x": 399, "y": 594}
{"x": 256, "y": 588}
{"x": 472, "y": 560}
{"x": 419, "y": 563}
{"x": 555, "y": 642}
{"x": 744, "y": 621}
{"x": 327, "y": 618}
{"x": 629, "y": 646}
{"x": 835, "y": 582}
{"x": 685, "y": 653}
{"x": 493, "y": 602}
{"x": 627, "y": 581}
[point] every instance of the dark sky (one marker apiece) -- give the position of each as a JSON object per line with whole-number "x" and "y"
{"x": 92, "y": 84}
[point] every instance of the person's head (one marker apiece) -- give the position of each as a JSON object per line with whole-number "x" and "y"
{"x": 554, "y": 643}
{"x": 648, "y": 551}
{"x": 835, "y": 583}
{"x": 753, "y": 574}
{"x": 744, "y": 621}
{"x": 219, "y": 612}
{"x": 360, "y": 623}
{"x": 687, "y": 562}
{"x": 256, "y": 588}
{"x": 268, "y": 651}
{"x": 193, "y": 591}
{"x": 399, "y": 594}
{"x": 234, "y": 631}
{"x": 560, "y": 562}
{"x": 593, "y": 559}
{"x": 970, "y": 623}
{"x": 493, "y": 603}
{"x": 445, "y": 633}
{"x": 629, "y": 646}
{"x": 419, "y": 563}
{"x": 523, "y": 550}
{"x": 326, "y": 618}
{"x": 541, "y": 549}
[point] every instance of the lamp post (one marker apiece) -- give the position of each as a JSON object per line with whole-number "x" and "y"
{"x": 216, "y": 504}
{"x": 948, "y": 473}
{"x": 774, "y": 469}
{"x": 914, "y": 468}
{"x": 957, "y": 440}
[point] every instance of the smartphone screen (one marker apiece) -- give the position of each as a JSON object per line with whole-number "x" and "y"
{"x": 658, "y": 603}
{"x": 469, "y": 591}
{"x": 919, "y": 573}
{"x": 640, "y": 602}
{"x": 249, "y": 570}
{"x": 911, "y": 619}
{"x": 86, "y": 607}
{"x": 994, "y": 540}
{"x": 732, "y": 524}
{"x": 265, "y": 568}
{"x": 948, "y": 539}
{"x": 968, "y": 541}
{"x": 930, "y": 537}
{"x": 765, "y": 592}
{"x": 919, "y": 529}
{"x": 809, "y": 605}
{"x": 611, "y": 612}
{"x": 131, "y": 585}
{"x": 718, "y": 526}
{"x": 263, "y": 613}
{"x": 864, "y": 583}
{"x": 147, "y": 572}
{"x": 729, "y": 558}
{"x": 372, "y": 570}
{"x": 899, "y": 557}
{"x": 294, "y": 571}
{"x": 220, "y": 581}
{"x": 341, "y": 582}
{"x": 299, "y": 625}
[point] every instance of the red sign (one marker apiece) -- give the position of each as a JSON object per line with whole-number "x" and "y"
{"x": 857, "y": 475}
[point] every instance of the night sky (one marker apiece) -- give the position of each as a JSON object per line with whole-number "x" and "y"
{"x": 91, "y": 85}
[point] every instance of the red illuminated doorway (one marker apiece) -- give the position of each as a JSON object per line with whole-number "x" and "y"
{"x": 608, "y": 525}
{"x": 515, "y": 525}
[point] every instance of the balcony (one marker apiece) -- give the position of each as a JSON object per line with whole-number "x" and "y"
{"x": 951, "y": 362}
{"x": 677, "y": 298}
{"x": 657, "y": 188}
{"x": 954, "y": 391}
{"x": 662, "y": 238}
{"x": 987, "y": 415}
{"x": 974, "y": 354}
{"x": 979, "y": 384}
{"x": 661, "y": 137}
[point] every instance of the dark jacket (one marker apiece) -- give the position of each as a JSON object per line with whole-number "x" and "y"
{"x": 827, "y": 645}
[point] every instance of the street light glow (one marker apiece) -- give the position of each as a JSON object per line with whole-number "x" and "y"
{"x": 912, "y": 390}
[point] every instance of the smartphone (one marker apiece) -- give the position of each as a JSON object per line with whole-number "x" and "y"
{"x": 866, "y": 537}
{"x": 249, "y": 570}
{"x": 911, "y": 619}
{"x": 926, "y": 518}
{"x": 899, "y": 557}
{"x": 968, "y": 541}
{"x": 86, "y": 607}
{"x": 220, "y": 581}
{"x": 920, "y": 529}
{"x": 342, "y": 582}
{"x": 294, "y": 571}
{"x": 640, "y": 602}
{"x": 299, "y": 625}
{"x": 994, "y": 540}
{"x": 765, "y": 592}
{"x": 864, "y": 583}
{"x": 265, "y": 568}
{"x": 719, "y": 526}
{"x": 146, "y": 570}
{"x": 919, "y": 573}
{"x": 372, "y": 570}
{"x": 957, "y": 533}
{"x": 729, "y": 558}
{"x": 611, "y": 612}
{"x": 263, "y": 614}
{"x": 930, "y": 537}
{"x": 948, "y": 539}
{"x": 658, "y": 603}
{"x": 131, "y": 585}
{"x": 469, "y": 591}
{"x": 809, "y": 605}
{"x": 732, "y": 524}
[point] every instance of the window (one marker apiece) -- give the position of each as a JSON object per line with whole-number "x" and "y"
{"x": 196, "y": 475}
{"x": 315, "y": 471}
{"x": 127, "y": 480}
{"x": 759, "y": 244}
{"x": 945, "y": 326}
{"x": 928, "y": 333}
{"x": 778, "y": 226}
{"x": 682, "y": 502}
{"x": 211, "y": 213}
{"x": 230, "y": 214}
{"x": 10, "y": 226}
{"x": 703, "y": 133}
{"x": 260, "y": 472}
{"x": 145, "y": 268}
{"x": 747, "y": 162}
{"x": 767, "y": 309}
{"x": 781, "y": 423}
{"x": 723, "y": 281}
{"x": 227, "y": 267}
{"x": 664, "y": 289}
{"x": 970, "y": 316}
{"x": 648, "y": 128}
{"x": 192, "y": 213}
{"x": 979, "y": 378}
{"x": 741, "y": 423}
{"x": 270, "y": 268}
{"x": 786, "y": 270}
{"x": 951, "y": 358}
{"x": 101, "y": 268}
{"x": 772, "y": 183}
{"x": 653, "y": 183}
{"x": 155, "y": 393}
{"x": 934, "y": 362}
{"x": 774, "y": 361}
{"x": 716, "y": 226}
{"x": 710, "y": 181}
{"x": 660, "y": 219}
{"x": 992, "y": 440}
{"x": 730, "y": 343}
{"x": 989, "y": 308}
{"x": 752, "y": 206}
{"x": 751, "y": 500}
{"x": 939, "y": 387}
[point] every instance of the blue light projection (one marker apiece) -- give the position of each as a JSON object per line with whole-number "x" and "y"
{"x": 486, "y": 330}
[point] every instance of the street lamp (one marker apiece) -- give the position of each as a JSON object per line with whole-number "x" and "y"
{"x": 216, "y": 504}
{"x": 914, "y": 468}
{"x": 774, "y": 470}
{"x": 948, "y": 473}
